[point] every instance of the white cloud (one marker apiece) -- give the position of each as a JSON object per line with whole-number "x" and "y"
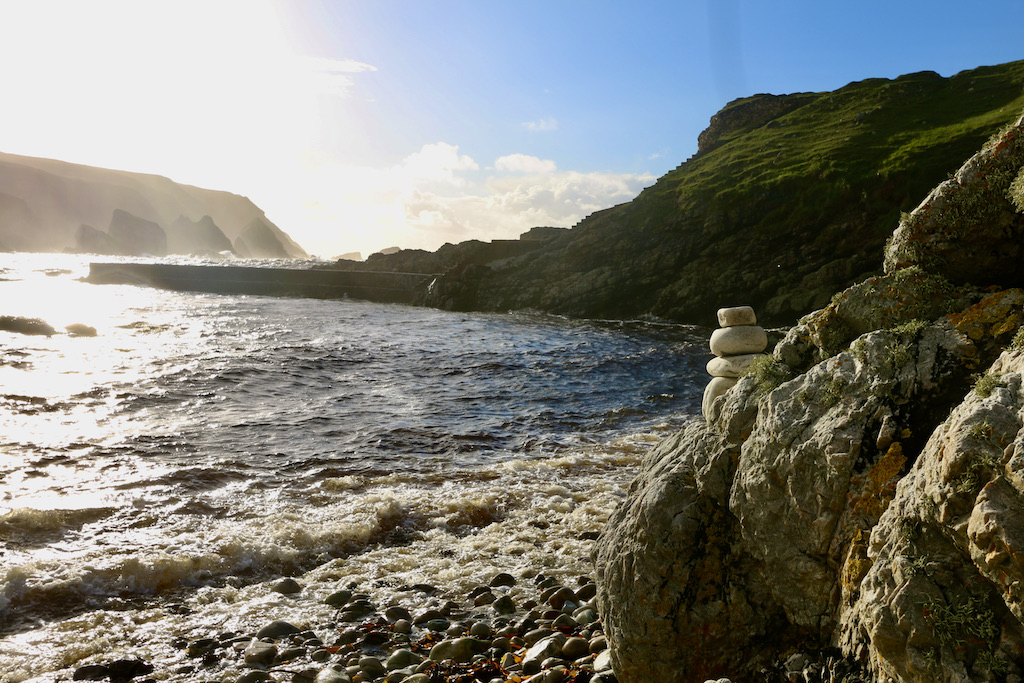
{"x": 524, "y": 163}
{"x": 439, "y": 195}
{"x": 544, "y": 125}
{"x": 331, "y": 76}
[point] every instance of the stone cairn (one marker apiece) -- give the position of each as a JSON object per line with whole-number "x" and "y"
{"x": 735, "y": 344}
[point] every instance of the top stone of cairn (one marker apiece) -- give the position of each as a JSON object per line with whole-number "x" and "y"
{"x": 737, "y": 315}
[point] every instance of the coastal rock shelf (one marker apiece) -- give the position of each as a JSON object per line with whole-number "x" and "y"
{"x": 320, "y": 283}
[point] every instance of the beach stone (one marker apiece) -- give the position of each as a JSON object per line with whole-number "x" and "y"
{"x": 535, "y": 635}
{"x": 338, "y": 598}
{"x": 397, "y": 612}
{"x": 597, "y": 644}
{"x": 603, "y": 661}
{"x": 372, "y": 666}
{"x": 504, "y": 605}
{"x": 480, "y": 630}
{"x": 402, "y": 658}
{"x": 485, "y": 598}
{"x": 417, "y": 678}
{"x": 80, "y": 330}
{"x": 731, "y": 366}
{"x": 503, "y": 579}
{"x": 26, "y": 325}
{"x": 561, "y": 596}
{"x": 427, "y": 615}
{"x": 551, "y": 646}
{"x": 438, "y": 625}
{"x": 733, "y": 341}
{"x": 287, "y": 587}
{"x": 575, "y": 647}
{"x": 402, "y": 626}
{"x": 587, "y": 591}
{"x": 277, "y": 629}
{"x": 332, "y": 675}
{"x": 565, "y": 621}
{"x": 253, "y": 677}
{"x": 260, "y": 654}
{"x": 736, "y": 315}
{"x": 715, "y": 388}
{"x": 458, "y": 650}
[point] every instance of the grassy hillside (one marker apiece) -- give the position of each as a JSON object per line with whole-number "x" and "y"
{"x": 790, "y": 199}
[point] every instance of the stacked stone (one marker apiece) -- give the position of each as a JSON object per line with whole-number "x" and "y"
{"x": 735, "y": 344}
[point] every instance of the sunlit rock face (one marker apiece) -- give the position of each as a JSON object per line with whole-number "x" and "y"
{"x": 861, "y": 491}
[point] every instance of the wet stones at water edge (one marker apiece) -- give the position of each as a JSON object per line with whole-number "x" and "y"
{"x": 529, "y": 628}
{"x": 737, "y": 342}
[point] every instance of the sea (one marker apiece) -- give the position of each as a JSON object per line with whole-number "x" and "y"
{"x": 157, "y": 479}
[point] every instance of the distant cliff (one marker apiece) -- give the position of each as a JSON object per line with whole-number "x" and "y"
{"x": 49, "y": 205}
{"x": 789, "y": 199}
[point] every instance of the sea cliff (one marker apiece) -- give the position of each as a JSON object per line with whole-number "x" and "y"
{"x": 854, "y": 506}
{"x": 789, "y": 199}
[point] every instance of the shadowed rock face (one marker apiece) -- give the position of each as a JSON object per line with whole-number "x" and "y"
{"x": 136, "y": 236}
{"x": 201, "y": 237}
{"x": 968, "y": 228}
{"x": 863, "y": 491}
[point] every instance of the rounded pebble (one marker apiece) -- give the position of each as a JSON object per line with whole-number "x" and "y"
{"x": 287, "y": 587}
{"x": 736, "y": 315}
{"x": 733, "y": 341}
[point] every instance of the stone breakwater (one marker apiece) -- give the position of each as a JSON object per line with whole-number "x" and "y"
{"x": 547, "y": 633}
{"x": 737, "y": 342}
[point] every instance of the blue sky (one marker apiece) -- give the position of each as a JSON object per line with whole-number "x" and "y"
{"x": 364, "y": 125}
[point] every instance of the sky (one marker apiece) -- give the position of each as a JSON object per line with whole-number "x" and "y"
{"x": 362, "y": 125}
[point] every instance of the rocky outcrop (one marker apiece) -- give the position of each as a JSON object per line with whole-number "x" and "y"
{"x": 746, "y": 114}
{"x": 89, "y": 240}
{"x": 136, "y": 236}
{"x": 200, "y": 238}
{"x": 857, "y": 498}
{"x": 968, "y": 229}
{"x": 261, "y": 240}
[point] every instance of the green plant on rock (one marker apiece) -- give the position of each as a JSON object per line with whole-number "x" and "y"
{"x": 1016, "y": 191}
{"x": 987, "y": 383}
{"x": 832, "y": 337}
{"x": 767, "y": 374}
{"x": 982, "y": 431}
{"x": 1017, "y": 343}
{"x": 832, "y": 392}
{"x": 989, "y": 660}
{"x": 955, "y": 624}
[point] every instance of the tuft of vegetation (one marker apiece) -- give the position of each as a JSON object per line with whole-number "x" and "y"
{"x": 832, "y": 392}
{"x": 956, "y": 624}
{"x": 768, "y": 374}
{"x": 1016, "y": 191}
{"x": 1017, "y": 343}
{"x": 986, "y": 383}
